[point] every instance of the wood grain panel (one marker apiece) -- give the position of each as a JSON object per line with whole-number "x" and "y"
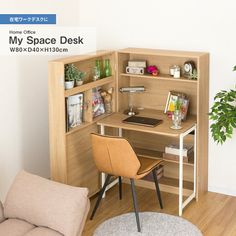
{"x": 157, "y": 92}
{"x": 163, "y": 62}
{"x": 203, "y": 124}
{"x": 81, "y": 169}
{"x": 57, "y": 124}
{"x": 122, "y": 98}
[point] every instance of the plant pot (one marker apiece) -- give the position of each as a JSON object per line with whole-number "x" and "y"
{"x": 69, "y": 84}
{"x": 79, "y": 82}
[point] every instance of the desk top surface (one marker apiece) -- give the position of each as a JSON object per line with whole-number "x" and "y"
{"x": 115, "y": 120}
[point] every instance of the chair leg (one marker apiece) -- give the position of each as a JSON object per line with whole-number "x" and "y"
{"x": 135, "y": 204}
{"x": 157, "y": 187}
{"x": 120, "y": 187}
{"x": 100, "y": 196}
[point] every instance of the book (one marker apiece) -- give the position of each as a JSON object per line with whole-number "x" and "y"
{"x": 184, "y": 108}
{"x": 74, "y": 112}
{"x": 174, "y": 149}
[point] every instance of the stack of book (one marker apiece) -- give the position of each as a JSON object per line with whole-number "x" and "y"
{"x": 159, "y": 173}
{"x": 172, "y": 152}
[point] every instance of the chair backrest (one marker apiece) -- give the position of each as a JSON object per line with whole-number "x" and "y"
{"x": 115, "y": 156}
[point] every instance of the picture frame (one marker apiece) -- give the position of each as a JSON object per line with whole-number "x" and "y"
{"x": 74, "y": 112}
{"x": 171, "y": 101}
{"x": 172, "y": 98}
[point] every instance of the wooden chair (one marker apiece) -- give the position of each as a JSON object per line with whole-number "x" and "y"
{"x": 115, "y": 157}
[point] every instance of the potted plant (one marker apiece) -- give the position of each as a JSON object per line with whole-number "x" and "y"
{"x": 80, "y": 77}
{"x": 223, "y": 115}
{"x": 72, "y": 75}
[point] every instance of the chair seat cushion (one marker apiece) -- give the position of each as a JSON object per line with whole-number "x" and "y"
{"x": 42, "y": 231}
{"x": 46, "y": 203}
{"x": 15, "y": 227}
{"x": 147, "y": 165}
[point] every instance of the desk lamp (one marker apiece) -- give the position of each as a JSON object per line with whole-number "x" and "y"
{"x": 131, "y": 90}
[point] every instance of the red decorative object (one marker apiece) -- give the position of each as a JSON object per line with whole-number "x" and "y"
{"x": 153, "y": 70}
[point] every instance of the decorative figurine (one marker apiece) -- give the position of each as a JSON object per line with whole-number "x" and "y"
{"x": 107, "y": 98}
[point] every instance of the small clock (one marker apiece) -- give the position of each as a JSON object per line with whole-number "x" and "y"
{"x": 189, "y": 66}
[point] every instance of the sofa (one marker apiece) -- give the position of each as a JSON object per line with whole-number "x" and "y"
{"x": 35, "y": 206}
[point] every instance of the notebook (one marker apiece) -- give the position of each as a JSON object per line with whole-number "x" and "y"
{"x": 139, "y": 120}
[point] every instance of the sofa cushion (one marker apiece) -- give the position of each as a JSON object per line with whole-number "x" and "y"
{"x": 2, "y": 218}
{"x": 42, "y": 231}
{"x": 46, "y": 203}
{"x": 14, "y": 227}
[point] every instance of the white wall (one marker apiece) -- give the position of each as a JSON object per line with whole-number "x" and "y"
{"x": 189, "y": 25}
{"x": 24, "y": 98}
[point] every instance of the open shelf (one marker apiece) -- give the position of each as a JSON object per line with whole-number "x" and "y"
{"x": 88, "y": 86}
{"x": 160, "y": 77}
{"x": 175, "y": 183}
{"x": 158, "y": 155}
{"x": 79, "y": 127}
{"x": 86, "y": 124}
{"x": 97, "y": 118}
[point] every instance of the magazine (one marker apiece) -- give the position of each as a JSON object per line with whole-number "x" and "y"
{"x": 97, "y": 103}
{"x": 74, "y": 110}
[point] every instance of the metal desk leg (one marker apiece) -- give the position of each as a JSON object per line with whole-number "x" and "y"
{"x": 120, "y": 132}
{"x": 181, "y": 140}
{"x": 195, "y": 162}
{"x": 103, "y": 175}
{"x": 182, "y": 204}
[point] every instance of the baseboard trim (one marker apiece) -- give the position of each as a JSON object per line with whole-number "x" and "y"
{"x": 226, "y": 191}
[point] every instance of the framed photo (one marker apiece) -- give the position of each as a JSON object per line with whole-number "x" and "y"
{"x": 171, "y": 101}
{"x": 74, "y": 110}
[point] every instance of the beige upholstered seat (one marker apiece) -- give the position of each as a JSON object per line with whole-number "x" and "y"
{"x": 115, "y": 156}
{"x": 36, "y": 206}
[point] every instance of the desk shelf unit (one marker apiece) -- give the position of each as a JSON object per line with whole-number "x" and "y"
{"x": 70, "y": 152}
{"x": 155, "y": 96}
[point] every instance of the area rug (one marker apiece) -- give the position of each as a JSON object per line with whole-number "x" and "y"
{"x": 152, "y": 223}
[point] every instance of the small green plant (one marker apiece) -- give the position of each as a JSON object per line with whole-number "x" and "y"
{"x": 73, "y": 73}
{"x": 223, "y": 115}
{"x": 178, "y": 104}
{"x": 193, "y": 75}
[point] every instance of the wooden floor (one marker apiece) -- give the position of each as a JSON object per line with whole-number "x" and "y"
{"x": 214, "y": 214}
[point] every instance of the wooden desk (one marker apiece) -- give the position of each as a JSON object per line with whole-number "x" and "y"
{"x": 115, "y": 121}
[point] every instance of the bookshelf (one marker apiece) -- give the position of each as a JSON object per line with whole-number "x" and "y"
{"x": 70, "y": 152}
